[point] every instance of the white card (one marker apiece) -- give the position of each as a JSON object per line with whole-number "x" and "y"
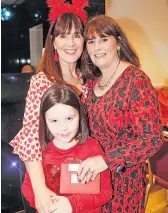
{"x": 73, "y": 167}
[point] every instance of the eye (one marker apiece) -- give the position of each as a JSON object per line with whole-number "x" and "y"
{"x": 54, "y": 121}
{"x": 90, "y": 42}
{"x": 78, "y": 35}
{"x": 69, "y": 118}
{"x": 104, "y": 39}
{"x": 62, "y": 36}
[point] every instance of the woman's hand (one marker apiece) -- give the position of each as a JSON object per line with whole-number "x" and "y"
{"x": 61, "y": 205}
{"x": 44, "y": 199}
{"x": 91, "y": 167}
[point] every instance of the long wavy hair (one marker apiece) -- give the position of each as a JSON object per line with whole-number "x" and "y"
{"x": 103, "y": 25}
{"x": 63, "y": 24}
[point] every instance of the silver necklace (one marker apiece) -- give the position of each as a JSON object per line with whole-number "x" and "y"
{"x": 102, "y": 87}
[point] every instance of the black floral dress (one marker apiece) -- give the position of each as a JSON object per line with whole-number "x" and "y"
{"x": 125, "y": 120}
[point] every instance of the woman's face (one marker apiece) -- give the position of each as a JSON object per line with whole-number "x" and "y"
{"x": 102, "y": 50}
{"x": 69, "y": 46}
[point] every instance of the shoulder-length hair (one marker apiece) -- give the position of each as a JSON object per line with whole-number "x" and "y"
{"x": 63, "y": 24}
{"x": 103, "y": 25}
{"x": 62, "y": 94}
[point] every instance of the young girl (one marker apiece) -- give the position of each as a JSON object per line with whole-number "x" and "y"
{"x": 64, "y": 138}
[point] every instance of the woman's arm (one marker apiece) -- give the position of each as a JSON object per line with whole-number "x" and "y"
{"x": 42, "y": 197}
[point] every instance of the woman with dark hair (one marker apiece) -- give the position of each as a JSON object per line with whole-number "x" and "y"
{"x": 64, "y": 139}
{"x": 123, "y": 115}
{"x": 60, "y": 63}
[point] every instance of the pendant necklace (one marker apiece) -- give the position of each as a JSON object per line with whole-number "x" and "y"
{"x": 102, "y": 87}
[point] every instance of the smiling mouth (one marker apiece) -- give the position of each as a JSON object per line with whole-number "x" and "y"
{"x": 100, "y": 55}
{"x": 70, "y": 51}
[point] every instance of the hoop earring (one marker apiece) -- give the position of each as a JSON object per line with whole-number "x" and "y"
{"x": 56, "y": 56}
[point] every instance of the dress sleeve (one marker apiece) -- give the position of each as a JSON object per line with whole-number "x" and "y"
{"x": 85, "y": 202}
{"x": 145, "y": 135}
{"x": 26, "y": 142}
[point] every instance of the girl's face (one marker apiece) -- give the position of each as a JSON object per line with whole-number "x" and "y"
{"x": 63, "y": 122}
{"x": 102, "y": 50}
{"x": 69, "y": 46}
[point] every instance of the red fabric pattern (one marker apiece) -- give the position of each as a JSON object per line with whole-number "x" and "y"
{"x": 54, "y": 156}
{"x": 26, "y": 143}
{"x": 126, "y": 123}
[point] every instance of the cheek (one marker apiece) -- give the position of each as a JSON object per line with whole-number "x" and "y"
{"x": 80, "y": 45}
{"x": 74, "y": 125}
{"x": 52, "y": 128}
{"x": 90, "y": 50}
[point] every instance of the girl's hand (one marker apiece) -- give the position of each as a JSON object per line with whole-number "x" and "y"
{"x": 91, "y": 167}
{"x": 44, "y": 199}
{"x": 61, "y": 205}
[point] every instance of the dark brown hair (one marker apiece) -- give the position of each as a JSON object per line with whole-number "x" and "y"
{"x": 106, "y": 26}
{"x": 61, "y": 94}
{"x": 63, "y": 24}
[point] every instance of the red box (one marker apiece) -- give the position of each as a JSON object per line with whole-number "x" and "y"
{"x": 69, "y": 183}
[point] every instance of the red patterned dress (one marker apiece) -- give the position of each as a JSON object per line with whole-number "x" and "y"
{"x": 125, "y": 120}
{"x": 26, "y": 143}
{"x": 52, "y": 159}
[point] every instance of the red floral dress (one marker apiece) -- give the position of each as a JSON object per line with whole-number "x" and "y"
{"x": 26, "y": 143}
{"x": 125, "y": 120}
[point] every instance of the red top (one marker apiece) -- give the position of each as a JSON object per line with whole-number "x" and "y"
{"x": 125, "y": 120}
{"x": 55, "y": 156}
{"x": 26, "y": 143}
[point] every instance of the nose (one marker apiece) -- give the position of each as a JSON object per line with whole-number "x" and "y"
{"x": 71, "y": 41}
{"x": 97, "y": 45}
{"x": 63, "y": 127}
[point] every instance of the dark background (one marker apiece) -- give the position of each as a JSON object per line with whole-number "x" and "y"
{"x": 14, "y": 86}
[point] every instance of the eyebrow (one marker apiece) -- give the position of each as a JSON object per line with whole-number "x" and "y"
{"x": 51, "y": 118}
{"x": 102, "y": 36}
{"x": 76, "y": 33}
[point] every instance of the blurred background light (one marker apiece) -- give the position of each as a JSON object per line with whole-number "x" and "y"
{"x": 14, "y": 164}
{"x": 22, "y": 61}
{"x": 6, "y": 14}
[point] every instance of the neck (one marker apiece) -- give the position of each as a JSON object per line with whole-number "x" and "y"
{"x": 68, "y": 69}
{"x": 64, "y": 146}
{"x": 108, "y": 71}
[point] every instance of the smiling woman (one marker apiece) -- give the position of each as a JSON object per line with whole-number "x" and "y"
{"x": 123, "y": 115}
{"x": 60, "y": 64}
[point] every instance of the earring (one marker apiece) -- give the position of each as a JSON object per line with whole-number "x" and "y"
{"x": 119, "y": 51}
{"x": 55, "y": 56}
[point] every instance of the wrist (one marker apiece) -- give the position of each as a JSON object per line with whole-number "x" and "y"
{"x": 39, "y": 188}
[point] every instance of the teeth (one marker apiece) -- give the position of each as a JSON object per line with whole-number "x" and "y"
{"x": 70, "y": 51}
{"x": 100, "y": 55}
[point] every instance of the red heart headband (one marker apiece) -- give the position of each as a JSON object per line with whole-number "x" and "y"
{"x": 58, "y": 7}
